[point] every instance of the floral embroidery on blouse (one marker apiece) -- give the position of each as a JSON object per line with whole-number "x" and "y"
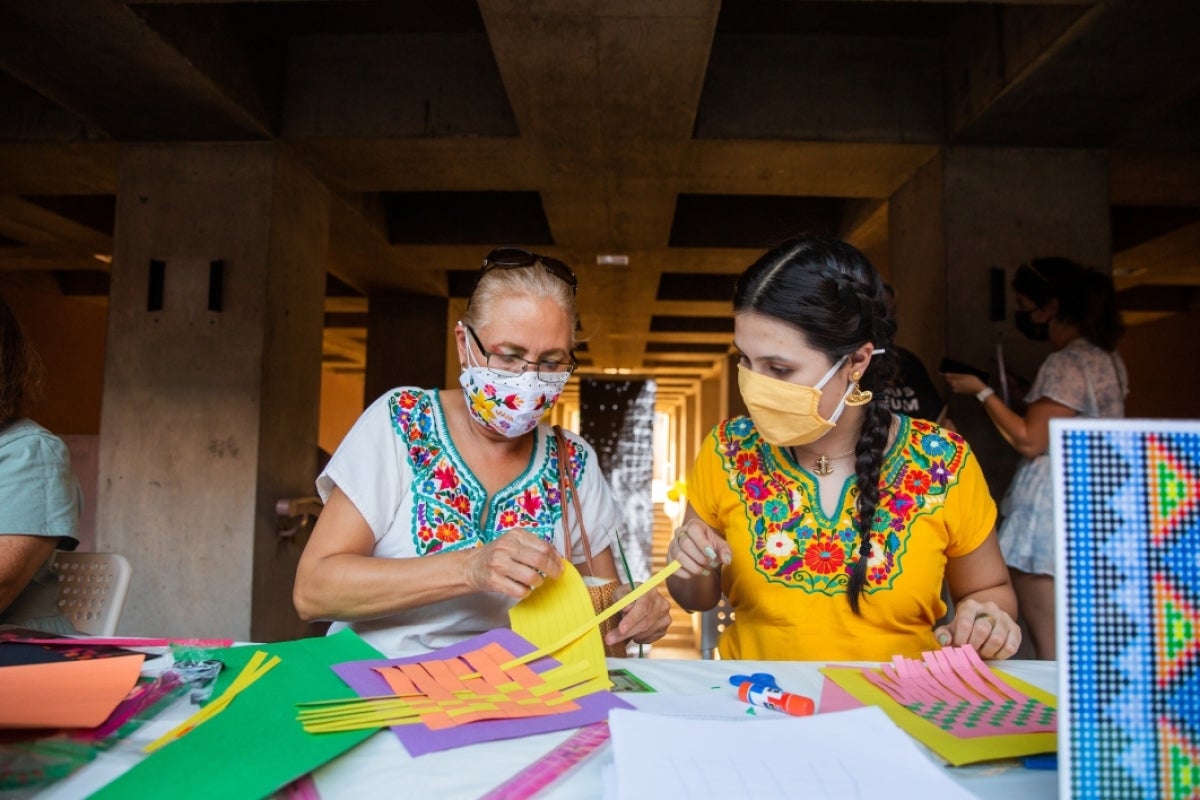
{"x": 450, "y": 503}
{"x": 795, "y": 544}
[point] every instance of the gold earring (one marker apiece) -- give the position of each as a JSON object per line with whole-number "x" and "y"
{"x": 857, "y": 396}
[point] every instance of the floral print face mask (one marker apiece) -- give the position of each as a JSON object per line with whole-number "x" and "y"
{"x": 510, "y": 404}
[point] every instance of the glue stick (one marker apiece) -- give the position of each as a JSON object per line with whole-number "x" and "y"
{"x": 796, "y": 705}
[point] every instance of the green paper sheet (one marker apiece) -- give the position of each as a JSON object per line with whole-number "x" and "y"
{"x": 255, "y": 746}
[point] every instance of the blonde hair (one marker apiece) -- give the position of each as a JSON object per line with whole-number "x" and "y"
{"x": 531, "y": 281}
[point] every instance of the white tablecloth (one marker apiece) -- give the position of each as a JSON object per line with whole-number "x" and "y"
{"x": 381, "y": 768}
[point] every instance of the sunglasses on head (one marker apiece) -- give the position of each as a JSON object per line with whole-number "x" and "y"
{"x": 1037, "y": 273}
{"x": 515, "y": 258}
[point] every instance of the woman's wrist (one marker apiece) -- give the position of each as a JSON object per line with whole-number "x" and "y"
{"x": 983, "y": 394}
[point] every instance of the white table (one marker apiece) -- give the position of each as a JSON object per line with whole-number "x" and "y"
{"x": 381, "y": 767}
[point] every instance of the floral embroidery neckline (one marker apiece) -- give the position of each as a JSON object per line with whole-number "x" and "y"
{"x": 464, "y": 471}
{"x": 791, "y": 540}
{"x": 449, "y": 499}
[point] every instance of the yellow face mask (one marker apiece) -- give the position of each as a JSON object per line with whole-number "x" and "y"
{"x": 786, "y": 413}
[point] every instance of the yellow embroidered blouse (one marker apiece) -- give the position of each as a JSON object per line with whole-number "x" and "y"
{"x": 791, "y": 564}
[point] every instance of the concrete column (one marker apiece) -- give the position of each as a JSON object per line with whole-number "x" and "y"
{"x": 212, "y": 384}
{"x": 713, "y": 407}
{"x": 964, "y": 212}
{"x": 731, "y": 403}
{"x": 406, "y": 342}
{"x": 687, "y": 434}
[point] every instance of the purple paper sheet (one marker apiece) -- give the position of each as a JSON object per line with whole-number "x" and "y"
{"x": 419, "y": 740}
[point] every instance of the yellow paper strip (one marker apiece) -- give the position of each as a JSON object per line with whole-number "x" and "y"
{"x": 595, "y": 621}
{"x": 254, "y": 669}
{"x": 557, "y": 607}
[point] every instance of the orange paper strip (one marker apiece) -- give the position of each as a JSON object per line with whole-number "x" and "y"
{"x": 425, "y": 683}
{"x": 398, "y": 681}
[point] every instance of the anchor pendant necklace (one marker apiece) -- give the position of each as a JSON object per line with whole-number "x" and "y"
{"x": 824, "y": 463}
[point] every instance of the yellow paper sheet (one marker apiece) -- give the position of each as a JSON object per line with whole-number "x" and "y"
{"x": 585, "y": 626}
{"x": 954, "y": 750}
{"x": 555, "y": 609}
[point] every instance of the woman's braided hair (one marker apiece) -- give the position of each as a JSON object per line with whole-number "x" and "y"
{"x": 829, "y": 291}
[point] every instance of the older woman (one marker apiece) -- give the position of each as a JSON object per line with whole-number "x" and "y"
{"x": 442, "y": 508}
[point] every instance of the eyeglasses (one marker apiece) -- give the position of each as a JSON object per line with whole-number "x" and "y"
{"x": 515, "y": 258}
{"x": 504, "y": 364}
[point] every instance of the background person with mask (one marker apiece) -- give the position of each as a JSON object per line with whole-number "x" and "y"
{"x": 1075, "y": 310}
{"x": 828, "y": 521}
{"x": 442, "y": 507}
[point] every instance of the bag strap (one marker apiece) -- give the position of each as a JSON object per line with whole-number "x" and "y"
{"x": 566, "y": 485}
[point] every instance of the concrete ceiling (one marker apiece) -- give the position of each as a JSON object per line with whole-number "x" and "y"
{"x": 682, "y": 135}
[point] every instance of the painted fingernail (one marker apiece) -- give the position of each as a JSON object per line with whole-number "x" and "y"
{"x": 705, "y": 572}
{"x": 708, "y": 551}
{"x": 943, "y": 638}
{"x": 727, "y": 558}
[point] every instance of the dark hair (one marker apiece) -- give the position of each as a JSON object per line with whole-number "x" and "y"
{"x": 829, "y": 291}
{"x": 1086, "y": 298}
{"x": 20, "y": 370}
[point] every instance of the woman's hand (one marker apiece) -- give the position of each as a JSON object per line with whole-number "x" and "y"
{"x": 984, "y": 626}
{"x": 698, "y": 549}
{"x": 960, "y": 383}
{"x": 645, "y": 621}
{"x": 515, "y": 564}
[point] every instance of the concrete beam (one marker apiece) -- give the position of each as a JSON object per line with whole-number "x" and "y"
{"x": 58, "y": 167}
{"x": 33, "y": 225}
{"x": 815, "y": 169}
{"x": 145, "y": 89}
{"x": 394, "y": 85}
{"x": 620, "y": 108}
{"x": 372, "y": 164}
{"x": 823, "y": 88}
{"x": 1166, "y": 260}
{"x": 1121, "y": 74}
{"x": 1155, "y": 178}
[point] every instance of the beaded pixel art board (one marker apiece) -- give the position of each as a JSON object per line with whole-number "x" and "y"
{"x": 1127, "y": 506}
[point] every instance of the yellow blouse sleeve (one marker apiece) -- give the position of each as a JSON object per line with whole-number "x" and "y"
{"x": 970, "y": 509}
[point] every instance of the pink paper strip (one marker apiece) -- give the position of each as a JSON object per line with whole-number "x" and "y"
{"x": 938, "y": 671}
{"x": 982, "y": 668}
{"x": 121, "y": 641}
{"x": 966, "y": 670}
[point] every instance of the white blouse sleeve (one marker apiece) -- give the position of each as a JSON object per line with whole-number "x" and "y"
{"x": 370, "y": 466}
